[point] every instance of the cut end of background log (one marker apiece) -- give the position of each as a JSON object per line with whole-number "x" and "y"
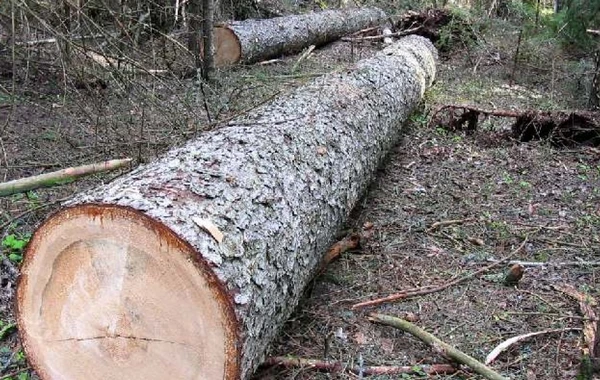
{"x": 252, "y": 40}
{"x": 158, "y": 311}
{"x": 228, "y": 48}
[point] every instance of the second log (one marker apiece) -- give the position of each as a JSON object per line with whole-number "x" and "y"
{"x": 251, "y": 41}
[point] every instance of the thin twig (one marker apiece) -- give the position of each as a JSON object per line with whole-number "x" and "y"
{"x": 432, "y": 288}
{"x": 382, "y": 36}
{"x": 31, "y": 210}
{"x": 553, "y": 264}
{"x": 446, "y": 223}
{"x": 541, "y": 299}
{"x": 336, "y": 367}
{"x": 15, "y": 373}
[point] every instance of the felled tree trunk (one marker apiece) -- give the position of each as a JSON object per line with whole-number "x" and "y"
{"x": 255, "y": 40}
{"x": 187, "y": 267}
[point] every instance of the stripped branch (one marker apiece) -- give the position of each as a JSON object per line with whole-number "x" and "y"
{"x": 59, "y": 177}
{"x": 586, "y": 305}
{"x": 515, "y": 339}
{"x": 589, "y": 361}
{"x": 438, "y": 345}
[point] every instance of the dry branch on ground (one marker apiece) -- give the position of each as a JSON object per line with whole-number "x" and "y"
{"x": 336, "y": 367}
{"x": 590, "y": 362}
{"x": 436, "y": 288}
{"x": 438, "y": 345}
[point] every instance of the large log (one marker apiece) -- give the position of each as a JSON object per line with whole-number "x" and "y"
{"x": 255, "y": 40}
{"x": 187, "y": 267}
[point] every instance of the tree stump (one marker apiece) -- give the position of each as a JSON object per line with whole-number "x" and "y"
{"x": 187, "y": 267}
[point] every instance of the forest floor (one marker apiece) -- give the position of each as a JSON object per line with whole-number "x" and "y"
{"x": 507, "y": 194}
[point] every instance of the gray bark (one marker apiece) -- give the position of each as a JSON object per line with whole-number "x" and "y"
{"x": 194, "y": 11}
{"x": 268, "y": 38}
{"x": 279, "y": 182}
{"x": 208, "y": 8}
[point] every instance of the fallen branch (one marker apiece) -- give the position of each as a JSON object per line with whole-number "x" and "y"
{"x": 382, "y": 36}
{"x": 563, "y": 128}
{"x": 59, "y": 177}
{"x": 509, "y": 342}
{"x": 446, "y": 223}
{"x": 54, "y": 40}
{"x": 438, "y": 345}
{"x": 303, "y": 56}
{"x": 589, "y": 361}
{"x": 125, "y": 64}
{"x": 329, "y": 366}
{"x": 586, "y": 305}
{"x": 552, "y": 264}
{"x": 15, "y": 373}
{"x": 432, "y": 288}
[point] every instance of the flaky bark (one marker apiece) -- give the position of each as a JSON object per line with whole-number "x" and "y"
{"x": 240, "y": 218}
{"x": 251, "y": 41}
{"x": 208, "y": 10}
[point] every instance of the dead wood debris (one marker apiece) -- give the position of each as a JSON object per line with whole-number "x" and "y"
{"x": 515, "y": 339}
{"x": 446, "y": 223}
{"x": 553, "y": 264}
{"x": 432, "y": 23}
{"x": 562, "y": 128}
{"x": 438, "y": 345}
{"x": 338, "y": 367}
{"x": 436, "y": 288}
{"x": 347, "y": 243}
{"x": 590, "y": 362}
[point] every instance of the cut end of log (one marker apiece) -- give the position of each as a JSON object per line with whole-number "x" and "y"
{"x": 228, "y": 49}
{"x": 107, "y": 292}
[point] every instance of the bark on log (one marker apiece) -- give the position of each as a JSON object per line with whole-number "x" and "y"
{"x": 187, "y": 267}
{"x": 251, "y": 41}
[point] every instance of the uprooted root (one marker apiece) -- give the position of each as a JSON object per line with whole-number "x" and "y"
{"x": 439, "y": 25}
{"x": 562, "y": 128}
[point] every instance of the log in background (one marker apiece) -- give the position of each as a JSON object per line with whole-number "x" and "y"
{"x": 278, "y": 183}
{"x": 255, "y": 40}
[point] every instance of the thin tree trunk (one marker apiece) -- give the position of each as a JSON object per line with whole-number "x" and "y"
{"x": 208, "y": 8}
{"x": 194, "y": 11}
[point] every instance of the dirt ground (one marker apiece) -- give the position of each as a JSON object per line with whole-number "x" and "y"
{"x": 504, "y": 194}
